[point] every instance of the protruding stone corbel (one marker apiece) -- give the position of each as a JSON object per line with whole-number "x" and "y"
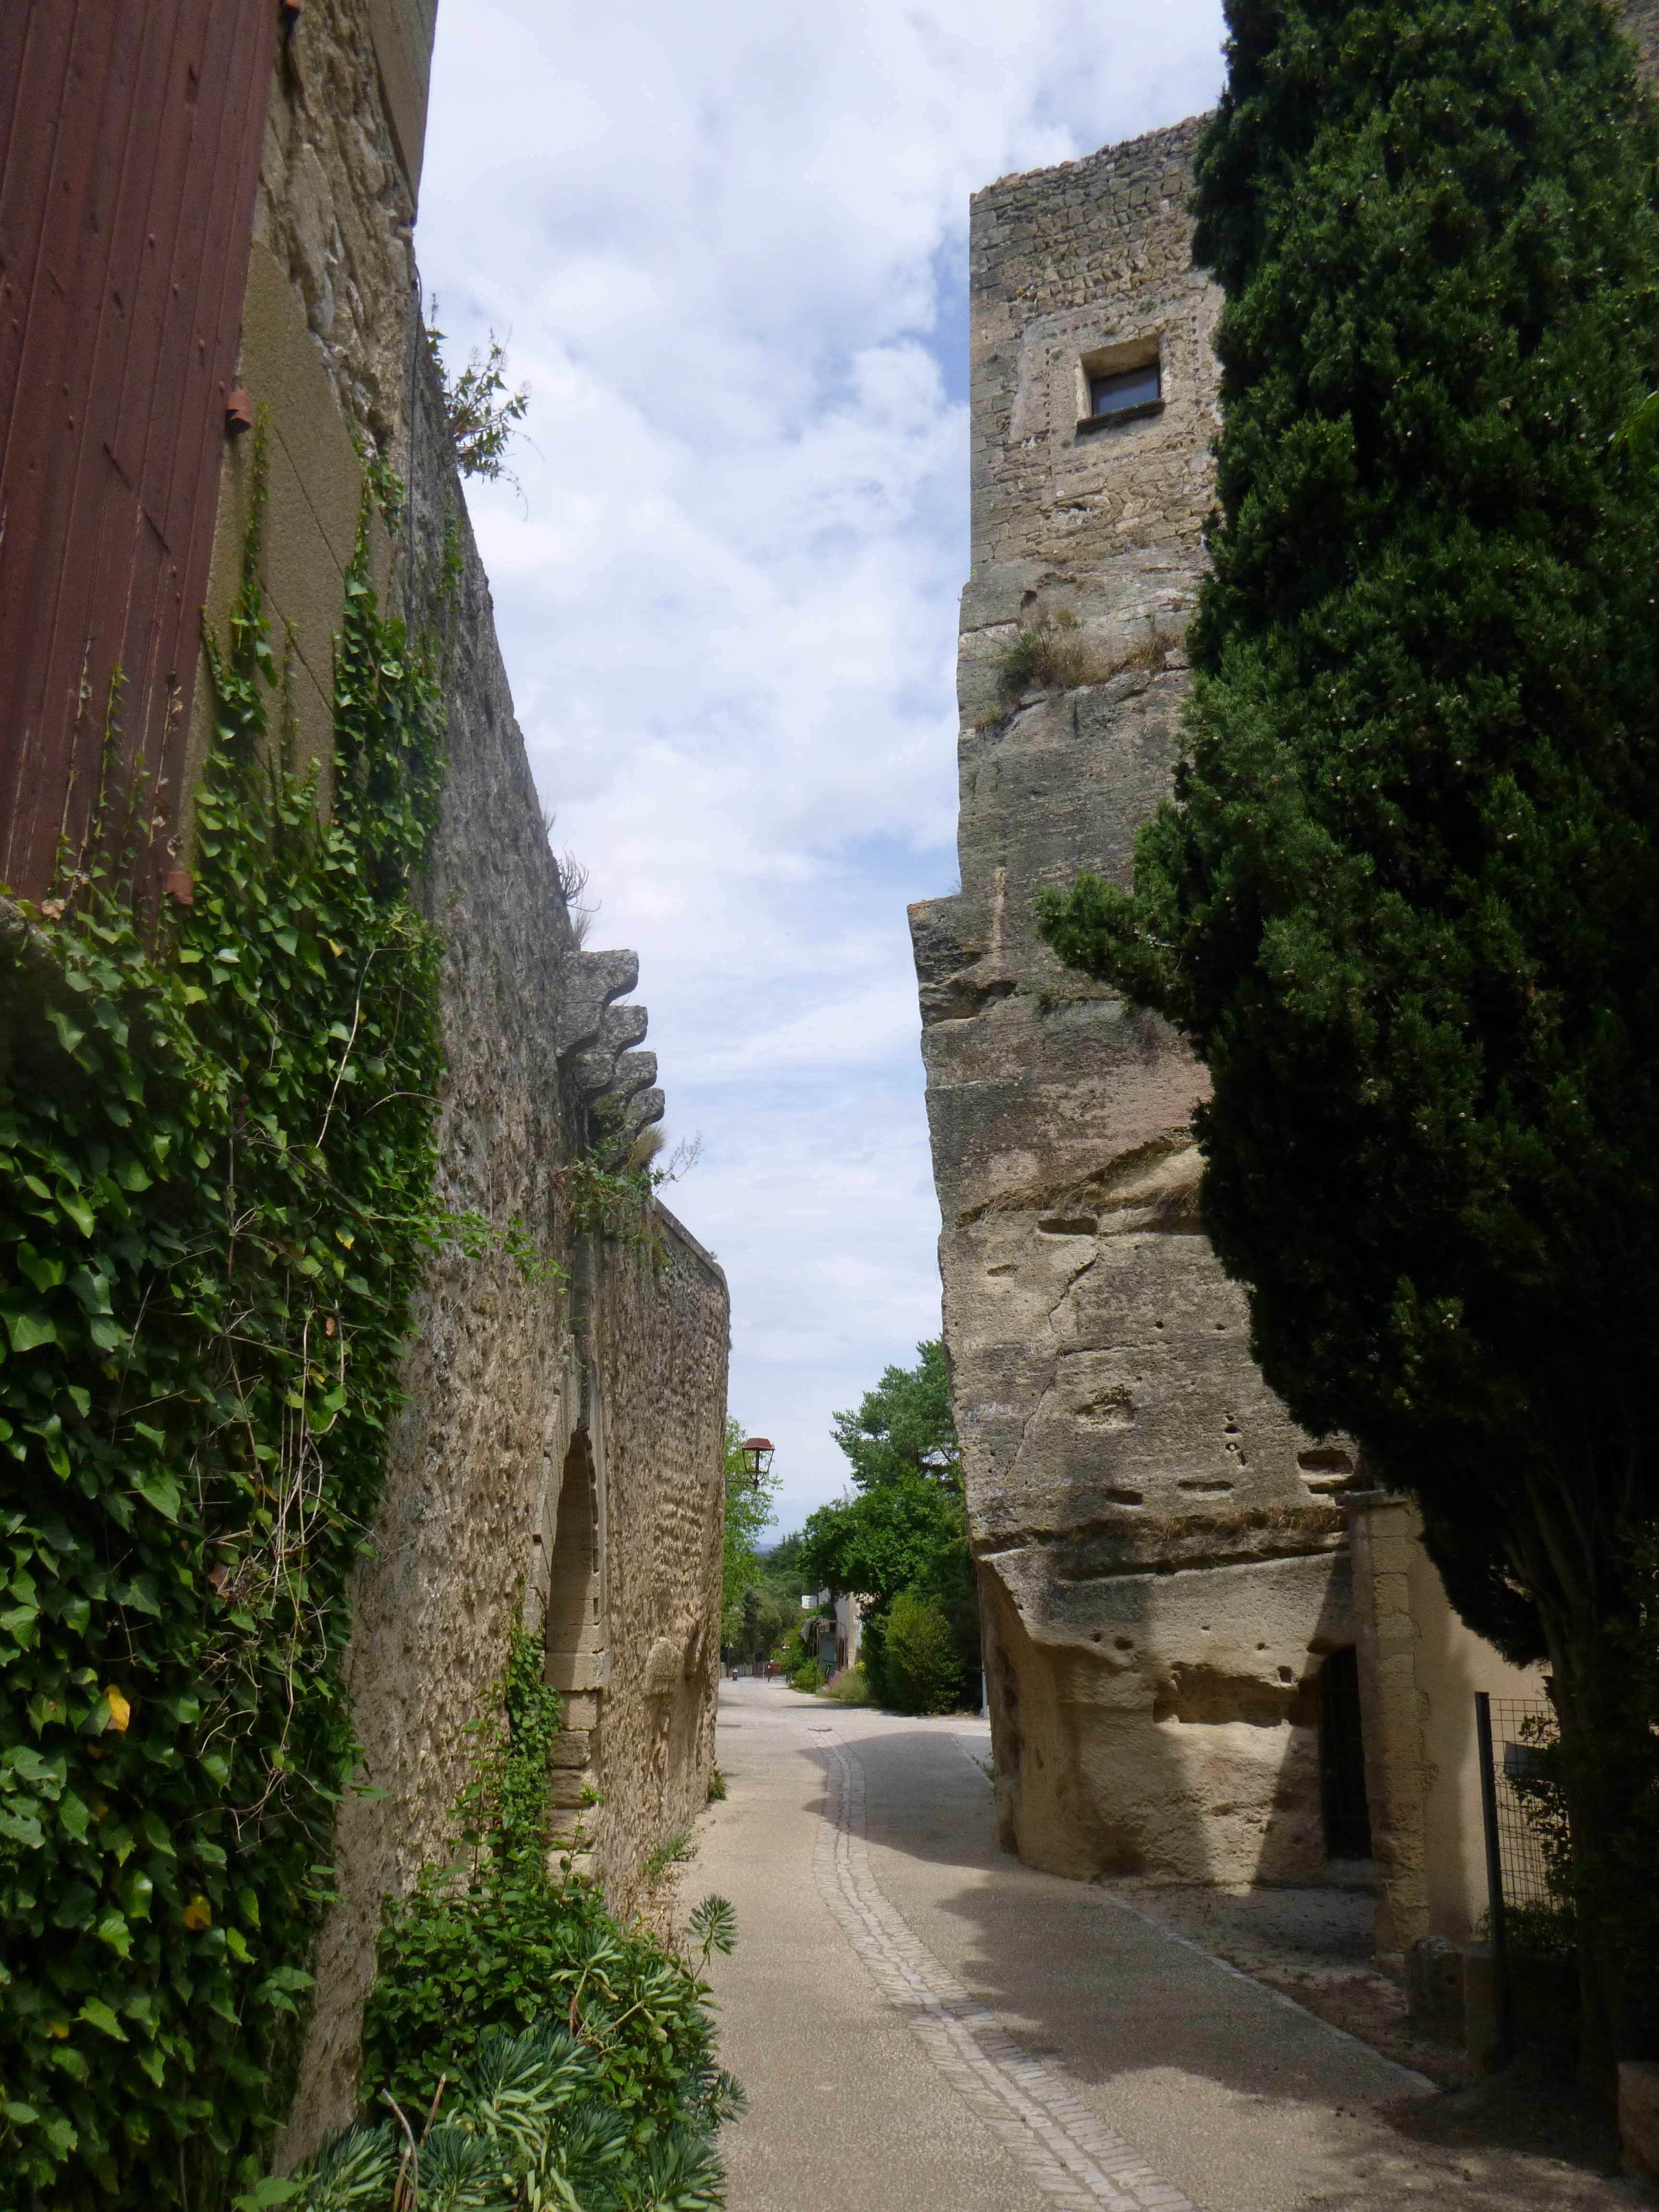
{"x": 643, "y": 1109}
{"x": 595, "y": 1070}
{"x": 635, "y": 1072}
{"x": 588, "y": 981}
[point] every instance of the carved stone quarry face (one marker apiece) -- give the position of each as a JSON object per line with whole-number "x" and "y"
{"x": 1164, "y": 1564}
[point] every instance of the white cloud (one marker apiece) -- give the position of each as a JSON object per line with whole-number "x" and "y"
{"x": 727, "y": 245}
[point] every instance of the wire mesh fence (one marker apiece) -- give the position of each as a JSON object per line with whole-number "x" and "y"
{"x": 1522, "y": 1734}
{"x": 1529, "y": 1920}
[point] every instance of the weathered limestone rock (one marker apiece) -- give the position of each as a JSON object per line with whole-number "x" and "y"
{"x": 1163, "y": 1561}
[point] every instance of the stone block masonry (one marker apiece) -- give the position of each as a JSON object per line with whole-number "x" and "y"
{"x": 560, "y": 1456}
{"x": 1162, "y": 1554}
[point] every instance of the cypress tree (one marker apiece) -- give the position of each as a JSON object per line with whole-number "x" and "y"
{"x": 1405, "y": 897}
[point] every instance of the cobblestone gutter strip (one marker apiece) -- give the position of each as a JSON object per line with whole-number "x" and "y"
{"x": 1073, "y": 2158}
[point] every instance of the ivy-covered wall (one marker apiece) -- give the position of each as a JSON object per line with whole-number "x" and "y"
{"x": 308, "y": 1314}
{"x": 541, "y": 1337}
{"x": 522, "y": 1358}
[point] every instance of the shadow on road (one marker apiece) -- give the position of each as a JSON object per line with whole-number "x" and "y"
{"x": 1078, "y": 1976}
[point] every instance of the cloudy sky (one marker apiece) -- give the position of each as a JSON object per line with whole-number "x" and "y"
{"x": 727, "y": 243}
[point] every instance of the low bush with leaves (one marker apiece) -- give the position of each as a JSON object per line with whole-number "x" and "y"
{"x": 921, "y": 1663}
{"x": 526, "y": 2124}
{"x": 495, "y": 1966}
{"x": 850, "y": 1687}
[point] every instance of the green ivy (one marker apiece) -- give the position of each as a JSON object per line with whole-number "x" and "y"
{"x": 217, "y": 1159}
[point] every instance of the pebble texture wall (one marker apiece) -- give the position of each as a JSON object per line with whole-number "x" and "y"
{"x": 1163, "y": 1557}
{"x": 561, "y": 1453}
{"x": 659, "y": 1327}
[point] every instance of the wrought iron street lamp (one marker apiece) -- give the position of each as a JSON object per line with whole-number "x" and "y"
{"x": 756, "y": 1456}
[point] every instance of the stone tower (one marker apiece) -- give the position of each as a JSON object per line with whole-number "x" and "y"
{"x": 1163, "y": 1557}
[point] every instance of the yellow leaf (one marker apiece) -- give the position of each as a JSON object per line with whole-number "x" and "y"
{"x": 199, "y": 1913}
{"x": 120, "y": 1712}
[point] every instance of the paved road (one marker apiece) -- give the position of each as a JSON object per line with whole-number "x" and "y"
{"x": 923, "y": 2025}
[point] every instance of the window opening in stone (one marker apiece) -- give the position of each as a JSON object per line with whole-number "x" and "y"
{"x": 1126, "y": 389}
{"x": 1342, "y": 1759}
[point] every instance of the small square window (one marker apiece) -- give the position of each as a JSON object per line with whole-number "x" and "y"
{"x": 1119, "y": 381}
{"x": 1126, "y": 389}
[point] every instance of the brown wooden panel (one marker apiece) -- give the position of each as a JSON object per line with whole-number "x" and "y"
{"x": 130, "y": 138}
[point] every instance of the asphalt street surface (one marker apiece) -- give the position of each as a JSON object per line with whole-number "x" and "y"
{"x": 923, "y": 2025}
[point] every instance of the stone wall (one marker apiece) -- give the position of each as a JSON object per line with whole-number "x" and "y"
{"x": 659, "y": 1328}
{"x": 561, "y": 1453}
{"x": 1163, "y": 1561}
{"x": 1420, "y": 1668}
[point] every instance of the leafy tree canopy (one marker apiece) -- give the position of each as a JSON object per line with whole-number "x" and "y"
{"x": 884, "y": 1541}
{"x": 904, "y": 1426}
{"x": 906, "y": 1529}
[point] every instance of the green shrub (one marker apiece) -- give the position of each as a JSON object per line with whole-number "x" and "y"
{"x": 851, "y": 1686}
{"x": 809, "y": 1676}
{"x": 497, "y": 1944}
{"x": 526, "y": 2124}
{"x": 921, "y": 1665}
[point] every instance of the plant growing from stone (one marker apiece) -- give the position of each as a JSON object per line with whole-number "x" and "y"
{"x": 482, "y": 413}
{"x": 1405, "y": 899}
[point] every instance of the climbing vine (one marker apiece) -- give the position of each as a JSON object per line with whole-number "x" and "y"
{"x": 217, "y": 1159}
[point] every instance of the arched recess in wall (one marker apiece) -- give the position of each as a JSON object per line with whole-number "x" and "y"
{"x": 575, "y": 1626}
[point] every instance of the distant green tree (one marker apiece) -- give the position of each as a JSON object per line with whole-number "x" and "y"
{"x": 904, "y": 1426}
{"x": 906, "y": 1529}
{"x": 1405, "y": 899}
{"x": 784, "y": 1557}
{"x": 748, "y": 1515}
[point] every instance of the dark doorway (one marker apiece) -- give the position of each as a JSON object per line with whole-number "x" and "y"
{"x": 1342, "y": 1759}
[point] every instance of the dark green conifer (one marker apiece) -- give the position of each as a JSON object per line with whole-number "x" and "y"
{"x": 1406, "y": 898}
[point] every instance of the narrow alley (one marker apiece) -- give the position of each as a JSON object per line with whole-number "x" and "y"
{"x": 923, "y": 2025}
